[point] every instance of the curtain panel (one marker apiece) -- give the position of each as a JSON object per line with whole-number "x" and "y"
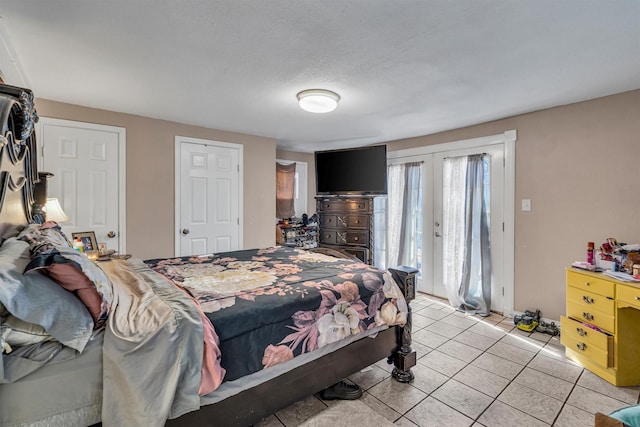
{"x": 403, "y": 197}
{"x": 285, "y": 186}
{"x": 466, "y": 245}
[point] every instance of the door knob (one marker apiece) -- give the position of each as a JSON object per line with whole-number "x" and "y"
{"x": 185, "y": 231}
{"x": 111, "y": 234}
{"x": 438, "y": 234}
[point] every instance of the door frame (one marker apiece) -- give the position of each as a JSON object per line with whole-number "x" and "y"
{"x": 177, "y": 175}
{"x": 122, "y": 164}
{"x": 508, "y": 139}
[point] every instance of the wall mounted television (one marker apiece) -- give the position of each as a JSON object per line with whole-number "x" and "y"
{"x": 355, "y": 171}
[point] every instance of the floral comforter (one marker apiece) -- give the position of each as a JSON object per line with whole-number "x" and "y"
{"x": 270, "y": 305}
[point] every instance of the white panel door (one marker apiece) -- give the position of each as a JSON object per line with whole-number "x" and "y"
{"x": 208, "y": 214}
{"x": 87, "y": 161}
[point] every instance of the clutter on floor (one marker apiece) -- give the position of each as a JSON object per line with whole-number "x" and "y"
{"x": 530, "y": 321}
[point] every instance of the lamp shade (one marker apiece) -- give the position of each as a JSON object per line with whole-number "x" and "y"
{"x": 318, "y": 100}
{"x": 54, "y": 211}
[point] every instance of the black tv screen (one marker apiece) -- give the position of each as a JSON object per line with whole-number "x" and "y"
{"x": 352, "y": 171}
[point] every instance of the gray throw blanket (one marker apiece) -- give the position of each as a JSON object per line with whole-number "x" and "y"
{"x": 153, "y": 348}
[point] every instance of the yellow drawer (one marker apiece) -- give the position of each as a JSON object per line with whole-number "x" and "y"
{"x": 591, "y": 300}
{"x": 629, "y": 295}
{"x": 598, "y": 356}
{"x": 591, "y": 283}
{"x": 579, "y": 332}
{"x": 582, "y": 312}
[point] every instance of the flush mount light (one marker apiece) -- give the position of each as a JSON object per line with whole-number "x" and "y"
{"x": 318, "y": 100}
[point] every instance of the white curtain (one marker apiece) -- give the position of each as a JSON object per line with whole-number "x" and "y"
{"x": 454, "y": 173}
{"x": 403, "y": 198}
{"x": 466, "y": 245}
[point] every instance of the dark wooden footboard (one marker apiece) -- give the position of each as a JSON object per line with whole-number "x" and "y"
{"x": 250, "y": 406}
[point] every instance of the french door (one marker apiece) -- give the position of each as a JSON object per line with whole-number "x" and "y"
{"x": 499, "y": 150}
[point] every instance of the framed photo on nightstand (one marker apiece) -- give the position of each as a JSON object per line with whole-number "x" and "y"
{"x": 88, "y": 239}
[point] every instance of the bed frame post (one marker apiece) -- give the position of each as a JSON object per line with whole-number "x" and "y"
{"x": 404, "y": 358}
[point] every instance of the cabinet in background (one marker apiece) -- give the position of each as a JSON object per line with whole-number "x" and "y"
{"x": 346, "y": 223}
{"x": 601, "y": 330}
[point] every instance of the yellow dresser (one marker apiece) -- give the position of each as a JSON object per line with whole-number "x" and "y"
{"x": 602, "y": 328}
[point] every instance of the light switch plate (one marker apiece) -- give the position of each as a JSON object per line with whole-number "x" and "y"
{"x": 526, "y": 205}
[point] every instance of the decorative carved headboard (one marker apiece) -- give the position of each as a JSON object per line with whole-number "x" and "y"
{"x": 18, "y": 160}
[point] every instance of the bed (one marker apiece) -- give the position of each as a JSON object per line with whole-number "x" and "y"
{"x": 216, "y": 339}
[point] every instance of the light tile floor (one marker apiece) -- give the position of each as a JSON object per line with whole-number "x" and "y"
{"x": 475, "y": 371}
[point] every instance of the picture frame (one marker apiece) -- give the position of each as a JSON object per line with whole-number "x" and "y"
{"x": 88, "y": 240}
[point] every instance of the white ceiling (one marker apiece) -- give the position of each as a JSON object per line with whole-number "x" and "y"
{"x": 403, "y": 68}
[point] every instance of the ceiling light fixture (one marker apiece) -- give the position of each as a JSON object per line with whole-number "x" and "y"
{"x": 318, "y": 100}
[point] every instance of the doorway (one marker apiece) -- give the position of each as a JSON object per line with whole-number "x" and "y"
{"x": 499, "y": 150}
{"x": 209, "y": 190}
{"x": 300, "y": 186}
{"x": 88, "y": 163}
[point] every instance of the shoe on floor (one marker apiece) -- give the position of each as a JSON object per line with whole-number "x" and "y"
{"x": 342, "y": 391}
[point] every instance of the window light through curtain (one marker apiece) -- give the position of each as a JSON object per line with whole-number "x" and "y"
{"x": 285, "y": 190}
{"x": 466, "y": 246}
{"x": 400, "y": 244}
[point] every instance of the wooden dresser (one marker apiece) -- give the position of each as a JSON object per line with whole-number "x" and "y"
{"x": 346, "y": 223}
{"x": 602, "y": 328}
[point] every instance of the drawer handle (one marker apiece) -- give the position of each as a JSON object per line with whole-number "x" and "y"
{"x": 636, "y": 298}
{"x": 355, "y": 238}
{"x": 581, "y": 332}
{"x": 587, "y": 299}
{"x": 587, "y": 284}
{"x": 587, "y": 316}
{"x": 581, "y": 346}
{"x": 357, "y": 221}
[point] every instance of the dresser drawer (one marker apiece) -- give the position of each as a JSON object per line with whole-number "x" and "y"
{"x": 584, "y": 313}
{"x": 591, "y": 283}
{"x": 596, "y": 346}
{"x": 361, "y": 253}
{"x": 349, "y": 205}
{"x": 360, "y": 238}
{"x": 628, "y": 295}
{"x": 329, "y": 221}
{"x": 591, "y": 300}
{"x": 579, "y": 332}
{"x": 328, "y": 237}
{"x": 358, "y": 221}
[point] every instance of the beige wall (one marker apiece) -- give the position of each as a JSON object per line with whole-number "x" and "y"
{"x": 311, "y": 174}
{"x": 579, "y": 164}
{"x": 150, "y": 176}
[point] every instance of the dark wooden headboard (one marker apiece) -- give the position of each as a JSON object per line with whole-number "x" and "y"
{"x": 18, "y": 159}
